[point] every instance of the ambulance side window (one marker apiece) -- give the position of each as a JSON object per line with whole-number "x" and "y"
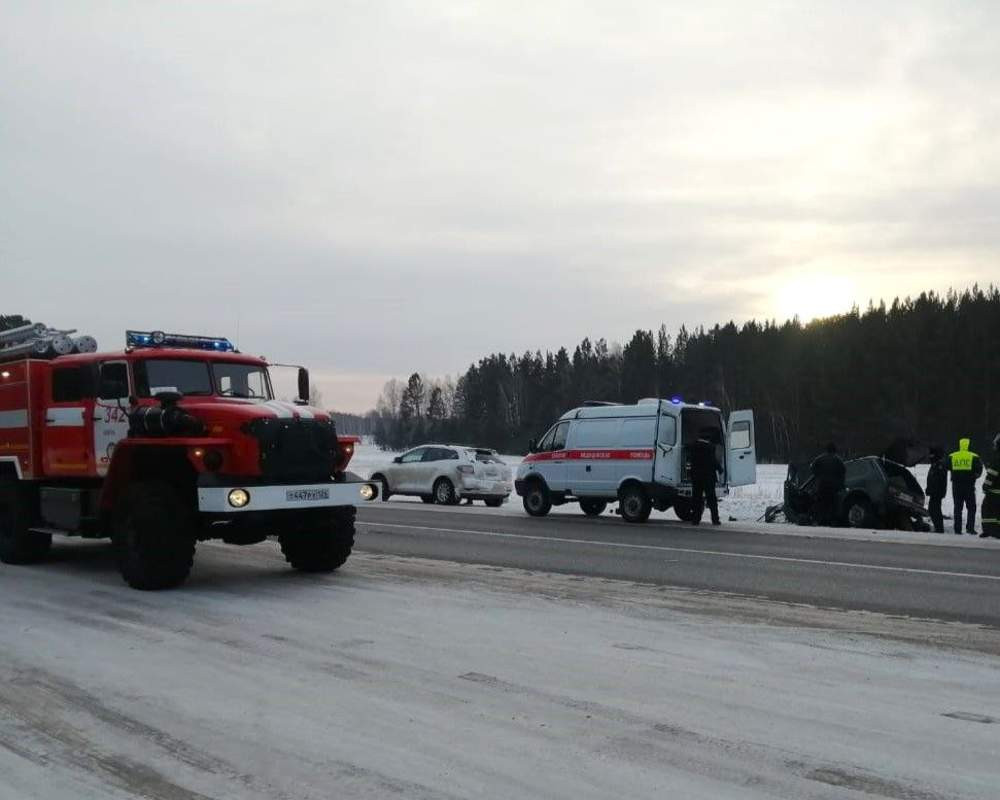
{"x": 559, "y": 438}
{"x": 638, "y": 432}
{"x": 668, "y": 430}
{"x": 546, "y": 443}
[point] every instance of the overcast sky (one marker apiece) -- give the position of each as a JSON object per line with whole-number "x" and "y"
{"x": 376, "y": 188}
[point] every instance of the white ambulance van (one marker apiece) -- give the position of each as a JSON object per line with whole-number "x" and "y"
{"x": 635, "y": 455}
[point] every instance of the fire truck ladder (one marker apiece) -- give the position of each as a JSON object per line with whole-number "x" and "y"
{"x": 41, "y": 341}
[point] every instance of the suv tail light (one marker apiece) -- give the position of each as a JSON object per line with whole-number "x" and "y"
{"x": 466, "y": 469}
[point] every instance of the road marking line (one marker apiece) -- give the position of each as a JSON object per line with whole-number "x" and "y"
{"x": 498, "y": 534}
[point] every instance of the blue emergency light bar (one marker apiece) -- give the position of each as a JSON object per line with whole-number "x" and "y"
{"x": 137, "y": 339}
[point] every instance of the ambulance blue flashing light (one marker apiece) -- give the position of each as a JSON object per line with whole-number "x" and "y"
{"x": 676, "y": 401}
{"x": 139, "y": 339}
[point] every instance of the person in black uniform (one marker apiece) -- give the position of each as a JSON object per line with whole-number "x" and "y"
{"x": 991, "y": 494}
{"x": 704, "y": 468}
{"x": 828, "y": 469}
{"x": 937, "y": 486}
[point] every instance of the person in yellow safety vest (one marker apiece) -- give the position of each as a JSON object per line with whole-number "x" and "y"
{"x": 991, "y": 494}
{"x": 965, "y": 468}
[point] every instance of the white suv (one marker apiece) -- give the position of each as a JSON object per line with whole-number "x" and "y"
{"x": 447, "y": 474}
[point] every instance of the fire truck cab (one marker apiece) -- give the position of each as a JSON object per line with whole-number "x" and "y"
{"x": 174, "y": 440}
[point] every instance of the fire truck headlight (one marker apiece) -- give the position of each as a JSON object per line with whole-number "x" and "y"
{"x": 238, "y": 498}
{"x": 368, "y": 491}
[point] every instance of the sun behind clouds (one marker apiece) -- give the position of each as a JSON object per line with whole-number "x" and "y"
{"x": 810, "y": 297}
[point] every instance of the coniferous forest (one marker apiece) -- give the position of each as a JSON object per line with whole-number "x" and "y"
{"x": 926, "y": 368}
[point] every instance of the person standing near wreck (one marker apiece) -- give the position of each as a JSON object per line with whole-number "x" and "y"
{"x": 937, "y": 487}
{"x": 991, "y": 494}
{"x": 965, "y": 467}
{"x": 831, "y": 474}
{"x": 705, "y": 467}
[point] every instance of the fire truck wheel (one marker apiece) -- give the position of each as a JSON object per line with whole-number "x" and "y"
{"x": 444, "y": 492}
{"x": 537, "y": 500}
{"x": 593, "y": 508}
{"x": 153, "y": 536}
{"x": 383, "y": 486}
{"x": 634, "y": 504}
{"x": 323, "y": 546}
{"x": 17, "y": 544}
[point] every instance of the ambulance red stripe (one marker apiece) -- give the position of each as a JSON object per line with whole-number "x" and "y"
{"x": 632, "y": 454}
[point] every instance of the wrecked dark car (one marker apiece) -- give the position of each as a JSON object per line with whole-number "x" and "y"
{"x": 879, "y": 493}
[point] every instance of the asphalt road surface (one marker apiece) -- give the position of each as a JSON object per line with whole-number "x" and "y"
{"x": 917, "y": 580}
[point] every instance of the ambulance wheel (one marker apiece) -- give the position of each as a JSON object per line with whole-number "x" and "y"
{"x": 444, "y": 492}
{"x": 427, "y": 498}
{"x": 153, "y": 536}
{"x": 684, "y": 510}
{"x": 323, "y": 544}
{"x": 18, "y": 545}
{"x": 495, "y": 502}
{"x": 383, "y": 485}
{"x": 537, "y": 500}
{"x": 634, "y": 504}
{"x": 593, "y": 508}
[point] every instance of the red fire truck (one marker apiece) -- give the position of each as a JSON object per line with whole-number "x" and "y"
{"x": 177, "y": 439}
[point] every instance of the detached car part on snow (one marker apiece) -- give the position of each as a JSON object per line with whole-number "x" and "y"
{"x": 878, "y": 493}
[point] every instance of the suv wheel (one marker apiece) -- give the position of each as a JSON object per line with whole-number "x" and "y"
{"x": 593, "y": 508}
{"x": 859, "y": 513}
{"x": 154, "y": 536}
{"x": 537, "y": 500}
{"x": 634, "y": 504}
{"x": 444, "y": 492}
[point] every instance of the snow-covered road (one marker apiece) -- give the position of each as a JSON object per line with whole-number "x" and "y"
{"x": 408, "y": 678}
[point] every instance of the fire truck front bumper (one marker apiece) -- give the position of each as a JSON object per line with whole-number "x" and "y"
{"x": 248, "y": 498}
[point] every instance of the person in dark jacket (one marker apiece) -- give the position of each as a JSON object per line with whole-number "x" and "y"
{"x": 991, "y": 494}
{"x": 704, "y": 468}
{"x": 937, "y": 487}
{"x": 965, "y": 467}
{"x": 830, "y": 474}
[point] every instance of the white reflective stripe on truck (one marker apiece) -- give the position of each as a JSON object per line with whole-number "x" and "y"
{"x": 14, "y": 419}
{"x": 215, "y": 500}
{"x": 64, "y": 417}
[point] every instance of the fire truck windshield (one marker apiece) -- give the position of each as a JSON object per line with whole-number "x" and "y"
{"x": 196, "y": 378}
{"x": 242, "y": 380}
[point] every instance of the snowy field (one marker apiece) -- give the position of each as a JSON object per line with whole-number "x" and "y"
{"x": 435, "y": 681}
{"x": 744, "y": 503}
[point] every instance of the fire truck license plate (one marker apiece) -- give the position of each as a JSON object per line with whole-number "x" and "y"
{"x": 307, "y": 494}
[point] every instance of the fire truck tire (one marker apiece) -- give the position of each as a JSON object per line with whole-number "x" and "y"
{"x": 322, "y": 547}
{"x": 444, "y": 492}
{"x": 537, "y": 500}
{"x": 154, "y": 536}
{"x": 593, "y": 508}
{"x": 383, "y": 491}
{"x": 634, "y": 504}
{"x": 17, "y": 544}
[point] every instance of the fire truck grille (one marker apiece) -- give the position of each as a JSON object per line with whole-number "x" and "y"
{"x": 292, "y": 450}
